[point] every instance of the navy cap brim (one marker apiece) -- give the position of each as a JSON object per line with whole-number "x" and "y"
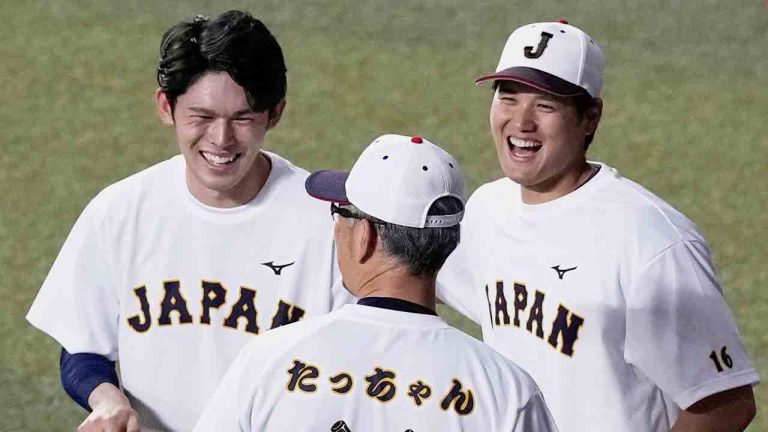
{"x": 537, "y": 79}
{"x": 328, "y": 185}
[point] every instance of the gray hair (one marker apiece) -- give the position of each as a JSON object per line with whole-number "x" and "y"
{"x": 422, "y": 250}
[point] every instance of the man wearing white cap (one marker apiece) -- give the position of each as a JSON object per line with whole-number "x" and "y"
{"x": 602, "y": 291}
{"x": 388, "y": 363}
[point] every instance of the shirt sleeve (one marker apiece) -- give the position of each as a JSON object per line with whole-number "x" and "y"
{"x": 535, "y": 416}
{"x": 77, "y": 304}
{"x": 456, "y": 285}
{"x": 456, "y": 281}
{"x": 679, "y": 329}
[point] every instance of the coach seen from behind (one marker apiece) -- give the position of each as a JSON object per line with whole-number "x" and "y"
{"x": 388, "y": 363}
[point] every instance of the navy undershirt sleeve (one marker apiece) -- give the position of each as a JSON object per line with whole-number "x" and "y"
{"x": 81, "y": 373}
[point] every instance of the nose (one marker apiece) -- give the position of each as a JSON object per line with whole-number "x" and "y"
{"x": 220, "y": 133}
{"x": 524, "y": 118}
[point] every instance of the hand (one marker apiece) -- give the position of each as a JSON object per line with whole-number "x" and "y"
{"x": 111, "y": 411}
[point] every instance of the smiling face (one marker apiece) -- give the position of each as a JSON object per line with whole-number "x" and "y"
{"x": 540, "y": 140}
{"x": 220, "y": 137}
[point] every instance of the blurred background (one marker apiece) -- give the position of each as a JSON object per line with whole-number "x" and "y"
{"x": 685, "y": 115}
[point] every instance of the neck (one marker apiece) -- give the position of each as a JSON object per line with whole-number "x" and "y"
{"x": 560, "y": 185}
{"x": 398, "y": 283}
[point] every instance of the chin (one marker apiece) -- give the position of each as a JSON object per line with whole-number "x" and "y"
{"x": 514, "y": 175}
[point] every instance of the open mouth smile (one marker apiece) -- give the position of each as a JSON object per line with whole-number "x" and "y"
{"x": 523, "y": 148}
{"x": 219, "y": 160}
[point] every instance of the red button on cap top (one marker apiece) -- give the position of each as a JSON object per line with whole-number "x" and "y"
{"x": 562, "y": 21}
{"x": 417, "y": 140}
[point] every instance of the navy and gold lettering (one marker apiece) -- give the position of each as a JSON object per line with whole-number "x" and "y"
{"x": 214, "y": 295}
{"x": 244, "y": 308}
{"x": 381, "y": 385}
{"x": 537, "y": 315}
{"x": 488, "y": 299}
{"x": 501, "y": 305}
{"x": 173, "y": 301}
{"x": 302, "y": 376}
{"x": 568, "y": 330}
{"x": 521, "y": 301}
{"x": 463, "y": 401}
{"x": 343, "y": 383}
{"x": 136, "y": 322}
{"x": 419, "y": 391}
{"x": 286, "y": 313}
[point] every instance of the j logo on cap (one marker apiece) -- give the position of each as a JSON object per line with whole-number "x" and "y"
{"x": 545, "y": 37}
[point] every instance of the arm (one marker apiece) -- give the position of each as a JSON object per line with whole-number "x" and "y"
{"x": 730, "y": 410}
{"x": 682, "y": 336}
{"x": 91, "y": 381}
{"x": 81, "y": 373}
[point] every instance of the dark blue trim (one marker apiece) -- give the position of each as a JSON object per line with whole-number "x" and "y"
{"x": 81, "y": 373}
{"x": 395, "y": 304}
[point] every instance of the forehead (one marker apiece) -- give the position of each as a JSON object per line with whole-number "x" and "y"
{"x": 215, "y": 91}
{"x": 515, "y": 87}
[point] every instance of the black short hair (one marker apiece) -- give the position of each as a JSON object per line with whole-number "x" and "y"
{"x": 583, "y": 103}
{"x": 233, "y": 42}
{"x": 422, "y": 250}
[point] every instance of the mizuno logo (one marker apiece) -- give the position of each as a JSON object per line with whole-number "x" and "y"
{"x": 278, "y": 268}
{"x": 340, "y": 426}
{"x": 561, "y": 273}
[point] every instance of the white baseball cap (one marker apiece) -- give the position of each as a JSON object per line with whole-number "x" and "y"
{"x": 555, "y": 57}
{"x": 396, "y": 179}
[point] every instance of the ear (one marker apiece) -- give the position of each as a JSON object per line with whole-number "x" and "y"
{"x": 276, "y": 114}
{"x": 593, "y": 116}
{"x": 364, "y": 240}
{"x": 164, "y": 109}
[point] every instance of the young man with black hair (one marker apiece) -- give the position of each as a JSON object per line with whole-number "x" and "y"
{"x": 602, "y": 291}
{"x": 171, "y": 270}
{"x": 388, "y": 363}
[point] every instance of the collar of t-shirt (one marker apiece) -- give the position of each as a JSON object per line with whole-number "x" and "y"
{"x": 395, "y": 304}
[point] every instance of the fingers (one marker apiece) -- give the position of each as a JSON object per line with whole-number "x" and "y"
{"x": 121, "y": 419}
{"x": 133, "y": 423}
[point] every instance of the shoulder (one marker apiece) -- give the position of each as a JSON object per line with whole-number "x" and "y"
{"x": 493, "y": 200}
{"x": 507, "y": 375}
{"x": 643, "y": 216}
{"x": 489, "y": 193}
{"x": 157, "y": 180}
{"x": 275, "y": 344}
{"x": 285, "y": 189}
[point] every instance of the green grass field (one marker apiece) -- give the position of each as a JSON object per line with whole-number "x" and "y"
{"x": 685, "y": 114}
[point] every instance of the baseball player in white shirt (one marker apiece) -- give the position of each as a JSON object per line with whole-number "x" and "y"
{"x": 388, "y": 363}
{"x": 172, "y": 270}
{"x": 598, "y": 288}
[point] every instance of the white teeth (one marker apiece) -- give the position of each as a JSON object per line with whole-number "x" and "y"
{"x": 523, "y": 143}
{"x": 218, "y": 160}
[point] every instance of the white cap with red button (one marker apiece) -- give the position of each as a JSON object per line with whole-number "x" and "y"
{"x": 396, "y": 179}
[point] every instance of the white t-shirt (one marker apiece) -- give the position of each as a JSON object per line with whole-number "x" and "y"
{"x": 173, "y": 288}
{"x": 374, "y": 369}
{"x": 606, "y": 296}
